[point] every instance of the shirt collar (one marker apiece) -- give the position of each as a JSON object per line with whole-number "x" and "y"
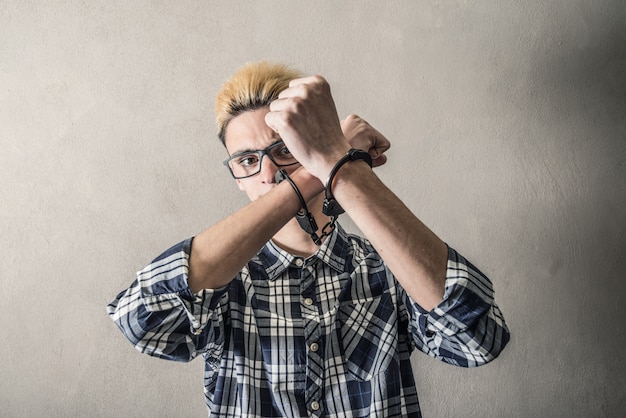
{"x": 332, "y": 252}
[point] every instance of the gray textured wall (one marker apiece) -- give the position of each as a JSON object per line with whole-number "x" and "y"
{"x": 508, "y": 127}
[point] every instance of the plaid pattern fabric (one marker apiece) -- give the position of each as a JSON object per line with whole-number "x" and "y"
{"x": 330, "y": 335}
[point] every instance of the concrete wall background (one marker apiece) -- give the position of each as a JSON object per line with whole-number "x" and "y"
{"x": 508, "y": 124}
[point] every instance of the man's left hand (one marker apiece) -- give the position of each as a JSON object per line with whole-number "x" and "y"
{"x": 362, "y": 135}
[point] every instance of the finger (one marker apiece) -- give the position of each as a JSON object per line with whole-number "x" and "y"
{"x": 291, "y": 91}
{"x": 297, "y": 88}
{"x": 279, "y": 104}
{"x": 272, "y": 120}
{"x": 377, "y": 162}
{"x": 353, "y": 118}
{"x": 314, "y": 79}
{"x": 381, "y": 144}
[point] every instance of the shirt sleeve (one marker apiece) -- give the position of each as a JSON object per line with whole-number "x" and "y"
{"x": 161, "y": 316}
{"x": 467, "y": 328}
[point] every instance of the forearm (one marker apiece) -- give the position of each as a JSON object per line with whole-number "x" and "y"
{"x": 415, "y": 255}
{"x": 161, "y": 317}
{"x": 219, "y": 252}
{"x": 467, "y": 328}
{"x": 305, "y": 117}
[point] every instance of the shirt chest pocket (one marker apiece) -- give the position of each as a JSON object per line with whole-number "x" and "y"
{"x": 368, "y": 335}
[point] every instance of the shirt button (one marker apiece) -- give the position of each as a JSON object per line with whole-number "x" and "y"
{"x": 315, "y": 406}
{"x": 299, "y": 262}
{"x": 308, "y": 301}
{"x": 314, "y": 347}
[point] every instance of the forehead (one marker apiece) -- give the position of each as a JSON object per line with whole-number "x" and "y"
{"x": 248, "y": 131}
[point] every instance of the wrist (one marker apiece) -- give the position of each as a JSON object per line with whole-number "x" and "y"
{"x": 308, "y": 184}
{"x": 330, "y": 161}
{"x": 348, "y": 174}
{"x": 331, "y": 206}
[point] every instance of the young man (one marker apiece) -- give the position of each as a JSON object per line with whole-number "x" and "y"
{"x": 293, "y": 316}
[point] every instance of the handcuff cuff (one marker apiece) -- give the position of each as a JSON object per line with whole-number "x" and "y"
{"x": 330, "y": 207}
{"x": 303, "y": 216}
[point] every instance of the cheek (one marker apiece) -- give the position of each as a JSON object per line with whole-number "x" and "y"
{"x": 248, "y": 189}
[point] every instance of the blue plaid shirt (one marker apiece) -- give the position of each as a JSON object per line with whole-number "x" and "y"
{"x": 329, "y": 335}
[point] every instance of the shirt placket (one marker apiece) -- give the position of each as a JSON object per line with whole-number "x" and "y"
{"x": 313, "y": 337}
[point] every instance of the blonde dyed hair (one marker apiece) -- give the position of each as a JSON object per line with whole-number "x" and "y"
{"x": 253, "y": 86}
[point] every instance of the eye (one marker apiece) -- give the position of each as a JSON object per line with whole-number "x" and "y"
{"x": 247, "y": 160}
{"x": 281, "y": 153}
{"x": 284, "y": 151}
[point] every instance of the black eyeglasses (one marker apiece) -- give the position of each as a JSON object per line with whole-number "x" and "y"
{"x": 248, "y": 163}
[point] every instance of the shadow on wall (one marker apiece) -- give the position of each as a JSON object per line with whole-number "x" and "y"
{"x": 578, "y": 99}
{"x": 579, "y": 104}
{"x": 578, "y": 76}
{"x": 582, "y": 75}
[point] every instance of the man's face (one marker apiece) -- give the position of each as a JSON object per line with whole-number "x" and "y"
{"x": 248, "y": 132}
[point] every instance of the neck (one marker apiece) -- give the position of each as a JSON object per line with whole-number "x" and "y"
{"x": 293, "y": 239}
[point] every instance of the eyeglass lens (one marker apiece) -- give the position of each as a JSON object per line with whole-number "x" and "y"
{"x": 249, "y": 164}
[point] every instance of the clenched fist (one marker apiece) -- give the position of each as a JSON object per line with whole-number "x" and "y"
{"x": 362, "y": 135}
{"x": 305, "y": 117}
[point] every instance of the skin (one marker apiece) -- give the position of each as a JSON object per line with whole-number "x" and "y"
{"x": 305, "y": 118}
{"x": 248, "y": 131}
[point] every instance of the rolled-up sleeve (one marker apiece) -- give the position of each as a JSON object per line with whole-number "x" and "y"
{"x": 161, "y": 316}
{"x": 467, "y": 328}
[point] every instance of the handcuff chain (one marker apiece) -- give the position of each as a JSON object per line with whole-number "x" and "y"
{"x": 331, "y": 225}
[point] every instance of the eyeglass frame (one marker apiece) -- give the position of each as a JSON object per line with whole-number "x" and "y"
{"x": 260, "y": 153}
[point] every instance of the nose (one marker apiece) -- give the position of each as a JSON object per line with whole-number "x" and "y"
{"x": 268, "y": 170}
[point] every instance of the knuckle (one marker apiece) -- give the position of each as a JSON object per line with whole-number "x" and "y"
{"x": 298, "y": 103}
{"x": 319, "y": 79}
{"x": 305, "y": 91}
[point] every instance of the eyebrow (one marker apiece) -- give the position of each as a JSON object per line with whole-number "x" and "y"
{"x": 249, "y": 150}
